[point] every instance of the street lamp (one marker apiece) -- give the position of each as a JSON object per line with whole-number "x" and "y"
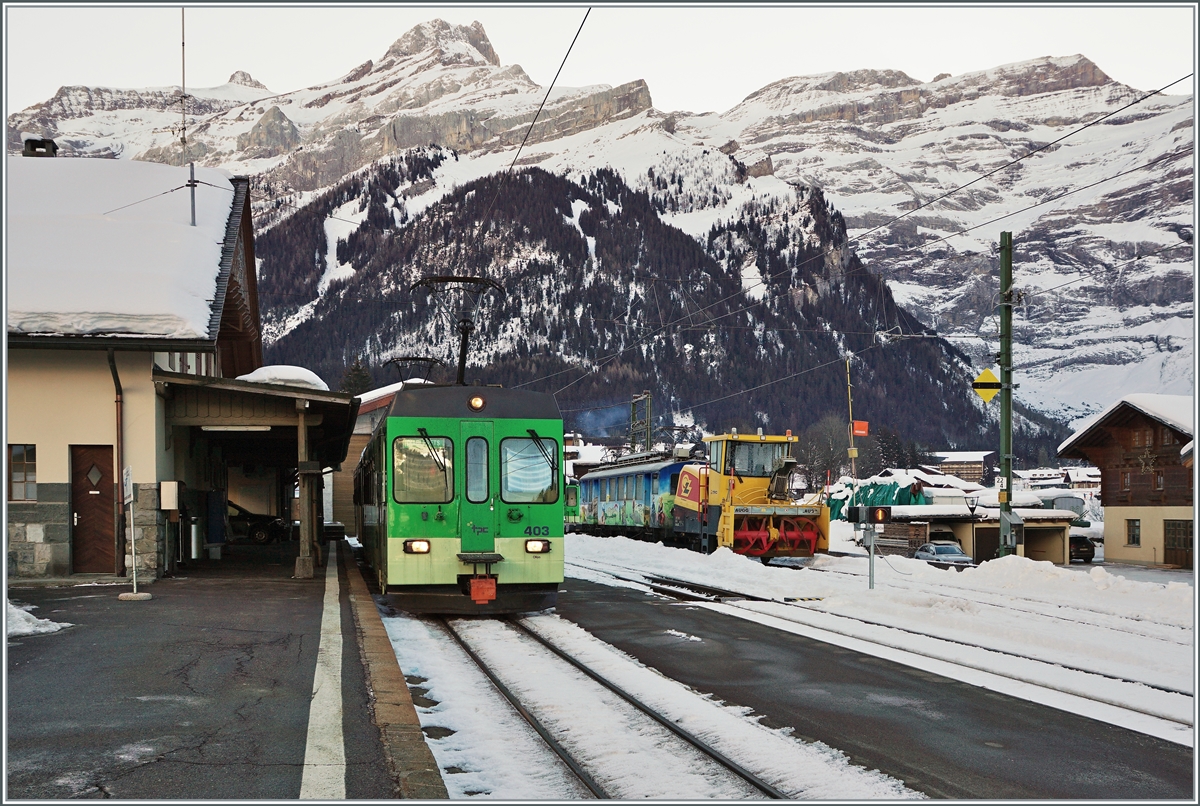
{"x": 972, "y": 501}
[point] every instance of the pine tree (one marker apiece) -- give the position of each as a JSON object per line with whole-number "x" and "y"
{"x": 356, "y": 379}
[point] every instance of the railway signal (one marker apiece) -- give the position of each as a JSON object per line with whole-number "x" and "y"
{"x": 879, "y": 515}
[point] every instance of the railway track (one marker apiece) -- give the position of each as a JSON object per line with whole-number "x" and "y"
{"x": 572, "y": 746}
{"x": 971, "y": 657}
{"x": 1072, "y": 613}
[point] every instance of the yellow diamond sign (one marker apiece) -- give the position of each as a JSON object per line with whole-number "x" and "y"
{"x": 986, "y": 385}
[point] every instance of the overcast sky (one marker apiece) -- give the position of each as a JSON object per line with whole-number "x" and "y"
{"x": 693, "y": 58}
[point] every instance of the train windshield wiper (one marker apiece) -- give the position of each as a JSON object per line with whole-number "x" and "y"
{"x": 433, "y": 453}
{"x": 542, "y": 450}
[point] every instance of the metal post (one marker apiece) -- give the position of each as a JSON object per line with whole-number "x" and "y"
{"x": 1006, "y": 386}
{"x": 852, "y": 452}
{"x": 304, "y": 563}
{"x": 192, "y": 185}
{"x": 465, "y": 326}
{"x": 871, "y": 562}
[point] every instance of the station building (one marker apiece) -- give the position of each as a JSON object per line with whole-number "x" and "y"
{"x": 132, "y": 324}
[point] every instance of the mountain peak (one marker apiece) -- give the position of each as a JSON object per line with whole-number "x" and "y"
{"x": 244, "y": 78}
{"x": 458, "y": 43}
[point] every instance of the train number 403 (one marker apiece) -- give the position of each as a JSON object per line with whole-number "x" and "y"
{"x": 538, "y": 531}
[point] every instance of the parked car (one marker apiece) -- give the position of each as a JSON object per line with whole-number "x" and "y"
{"x": 942, "y": 551}
{"x": 260, "y": 529}
{"x": 1082, "y": 549}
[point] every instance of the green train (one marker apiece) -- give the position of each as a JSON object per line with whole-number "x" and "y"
{"x": 461, "y": 500}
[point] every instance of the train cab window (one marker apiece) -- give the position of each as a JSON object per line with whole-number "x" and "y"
{"x": 674, "y": 483}
{"x": 756, "y": 459}
{"x": 717, "y": 456}
{"x": 423, "y": 470}
{"x": 477, "y": 470}
{"x": 528, "y": 471}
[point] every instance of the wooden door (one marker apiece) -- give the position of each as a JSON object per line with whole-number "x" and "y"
{"x": 987, "y": 542}
{"x": 1177, "y": 543}
{"x": 93, "y": 539}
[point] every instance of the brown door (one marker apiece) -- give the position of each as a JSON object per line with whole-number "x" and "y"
{"x": 92, "y": 523}
{"x": 1177, "y": 543}
{"x": 987, "y": 541}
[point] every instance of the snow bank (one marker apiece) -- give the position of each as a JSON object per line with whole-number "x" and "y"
{"x": 286, "y": 375}
{"x": 22, "y": 622}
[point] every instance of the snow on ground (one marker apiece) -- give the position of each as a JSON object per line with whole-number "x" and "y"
{"x": 630, "y": 757}
{"x": 804, "y": 770}
{"x": 1090, "y": 642}
{"x": 21, "y": 622}
{"x": 477, "y": 758}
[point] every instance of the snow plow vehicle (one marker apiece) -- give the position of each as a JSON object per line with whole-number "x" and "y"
{"x": 740, "y": 497}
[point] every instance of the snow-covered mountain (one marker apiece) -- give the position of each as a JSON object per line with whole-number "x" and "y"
{"x": 1095, "y": 321}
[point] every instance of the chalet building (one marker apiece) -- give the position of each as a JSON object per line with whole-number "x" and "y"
{"x": 132, "y": 311}
{"x": 1146, "y": 484}
{"x": 966, "y": 465}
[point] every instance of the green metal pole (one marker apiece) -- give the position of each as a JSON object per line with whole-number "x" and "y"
{"x": 1006, "y": 299}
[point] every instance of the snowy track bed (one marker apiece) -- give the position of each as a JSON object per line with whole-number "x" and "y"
{"x": 1019, "y": 627}
{"x": 476, "y": 735}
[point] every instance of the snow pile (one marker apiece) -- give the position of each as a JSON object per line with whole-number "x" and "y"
{"x": 286, "y": 375}
{"x": 106, "y": 247}
{"x": 22, "y": 622}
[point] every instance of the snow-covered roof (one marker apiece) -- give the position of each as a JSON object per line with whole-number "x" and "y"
{"x": 963, "y": 456}
{"x": 104, "y": 247}
{"x": 905, "y": 478}
{"x": 1079, "y": 474}
{"x": 1173, "y": 410}
{"x": 286, "y": 375}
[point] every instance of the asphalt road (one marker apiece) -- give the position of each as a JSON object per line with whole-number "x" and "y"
{"x": 201, "y": 693}
{"x": 942, "y": 737}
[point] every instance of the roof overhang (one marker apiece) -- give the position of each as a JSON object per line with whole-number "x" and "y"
{"x": 225, "y": 407}
{"x": 26, "y": 341}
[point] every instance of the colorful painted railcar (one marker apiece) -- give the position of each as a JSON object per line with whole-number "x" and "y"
{"x": 738, "y": 498}
{"x": 460, "y": 500}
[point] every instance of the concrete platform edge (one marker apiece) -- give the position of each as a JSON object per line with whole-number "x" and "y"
{"x": 411, "y": 762}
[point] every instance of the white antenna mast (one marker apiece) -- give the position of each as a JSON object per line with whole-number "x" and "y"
{"x": 183, "y": 109}
{"x": 183, "y": 81}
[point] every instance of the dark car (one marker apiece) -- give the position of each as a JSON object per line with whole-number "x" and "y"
{"x": 1082, "y": 549}
{"x": 942, "y": 551}
{"x": 260, "y": 529}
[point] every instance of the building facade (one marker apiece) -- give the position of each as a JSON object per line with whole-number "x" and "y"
{"x": 1146, "y": 488}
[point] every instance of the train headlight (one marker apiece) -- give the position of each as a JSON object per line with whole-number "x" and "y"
{"x": 476, "y": 403}
{"x": 416, "y": 546}
{"x": 537, "y": 546}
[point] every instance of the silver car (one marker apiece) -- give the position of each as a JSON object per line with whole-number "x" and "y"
{"x": 942, "y": 551}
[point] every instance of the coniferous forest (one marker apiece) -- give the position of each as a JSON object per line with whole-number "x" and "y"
{"x": 747, "y": 327}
